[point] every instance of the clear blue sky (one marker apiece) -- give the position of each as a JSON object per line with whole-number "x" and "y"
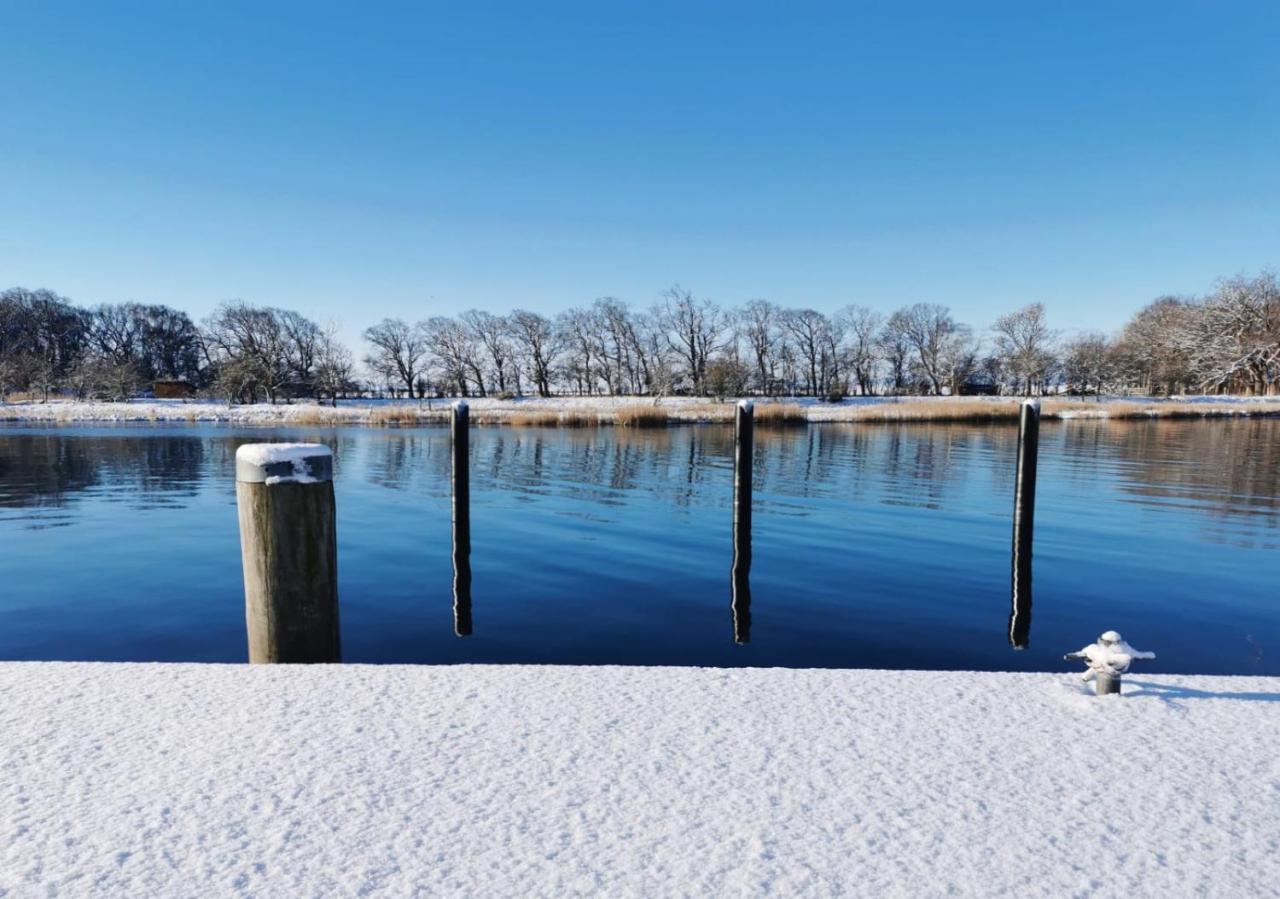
{"x": 366, "y": 160}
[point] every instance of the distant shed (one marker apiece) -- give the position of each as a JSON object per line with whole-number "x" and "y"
{"x": 174, "y": 389}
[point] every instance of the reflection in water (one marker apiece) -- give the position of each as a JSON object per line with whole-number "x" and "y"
{"x": 1020, "y": 611}
{"x": 461, "y": 594}
{"x": 740, "y": 573}
{"x": 48, "y": 471}
{"x": 606, "y": 545}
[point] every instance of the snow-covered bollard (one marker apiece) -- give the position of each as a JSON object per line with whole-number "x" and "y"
{"x": 288, "y": 547}
{"x": 1108, "y": 659}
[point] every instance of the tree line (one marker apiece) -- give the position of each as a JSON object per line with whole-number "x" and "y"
{"x": 1227, "y": 341}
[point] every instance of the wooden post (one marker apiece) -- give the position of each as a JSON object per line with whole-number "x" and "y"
{"x": 743, "y": 445}
{"x": 289, "y": 550}
{"x": 461, "y": 479}
{"x": 1024, "y": 514}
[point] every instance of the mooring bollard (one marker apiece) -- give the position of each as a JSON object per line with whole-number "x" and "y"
{"x": 461, "y": 481}
{"x": 740, "y": 575}
{"x": 289, "y": 550}
{"x": 1107, "y": 660}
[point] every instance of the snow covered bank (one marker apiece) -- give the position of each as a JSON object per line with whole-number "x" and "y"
{"x": 166, "y": 780}
{"x": 580, "y": 411}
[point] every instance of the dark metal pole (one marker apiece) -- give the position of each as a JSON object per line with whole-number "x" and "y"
{"x": 743, "y": 444}
{"x": 289, "y": 552}
{"x": 1024, "y": 512}
{"x": 461, "y": 480}
{"x": 1107, "y": 684}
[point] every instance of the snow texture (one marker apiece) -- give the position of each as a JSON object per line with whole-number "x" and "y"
{"x": 261, "y": 455}
{"x": 190, "y": 780}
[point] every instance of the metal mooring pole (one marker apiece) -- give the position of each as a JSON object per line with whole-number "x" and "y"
{"x": 461, "y": 478}
{"x": 1024, "y": 513}
{"x": 743, "y": 445}
{"x": 289, "y": 550}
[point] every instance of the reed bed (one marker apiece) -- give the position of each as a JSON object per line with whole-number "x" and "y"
{"x": 636, "y": 415}
{"x": 579, "y": 418}
{"x": 533, "y": 420}
{"x": 780, "y": 415}
{"x": 642, "y": 417}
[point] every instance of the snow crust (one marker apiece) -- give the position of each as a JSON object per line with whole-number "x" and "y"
{"x": 221, "y": 780}
{"x": 263, "y": 454}
{"x": 260, "y": 455}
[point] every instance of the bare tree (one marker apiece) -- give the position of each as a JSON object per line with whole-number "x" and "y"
{"x": 809, "y": 332}
{"x": 759, "y": 323}
{"x": 333, "y": 367}
{"x": 693, "y": 329}
{"x": 490, "y": 334}
{"x": 895, "y": 349}
{"x": 455, "y": 348}
{"x": 399, "y": 350}
{"x": 1024, "y": 345}
{"x": 929, "y": 330}
{"x": 537, "y": 343}
{"x": 1234, "y": 337}
{"x": 865, "y": 347}
{"x": 1156, "y": 345}
{"x": 253, "y": 343}
{"x": 1088, "y": 363}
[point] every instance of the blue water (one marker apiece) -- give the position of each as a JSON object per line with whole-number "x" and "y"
{"x": 874, "y": 545}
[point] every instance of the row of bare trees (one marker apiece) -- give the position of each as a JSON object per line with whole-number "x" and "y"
{"x": 1228, "y": 341}
{"x": 690, "y": 345}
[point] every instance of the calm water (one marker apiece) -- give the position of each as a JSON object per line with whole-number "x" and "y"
{"x": 874, "y": 546}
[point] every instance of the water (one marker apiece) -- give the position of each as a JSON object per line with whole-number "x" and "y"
{"x": 874, "y": 546}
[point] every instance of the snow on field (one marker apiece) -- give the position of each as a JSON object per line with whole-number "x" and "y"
{"x": 188, "y": 780}
{"x": 490, "y": 410}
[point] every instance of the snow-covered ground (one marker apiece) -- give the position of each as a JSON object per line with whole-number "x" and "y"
{"x": 489, "y": 410}
{"x": 188, "y": 780}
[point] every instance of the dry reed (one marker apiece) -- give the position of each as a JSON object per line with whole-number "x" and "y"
{"x": 541, "y": 419}
{"x": 641, "y": 417}
{"x": 777, "y": 415}
{"x": 576, "y": 418}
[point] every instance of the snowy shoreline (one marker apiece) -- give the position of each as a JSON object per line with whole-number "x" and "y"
{"x": 132, "y": 779}
{"x": 590, "y": 411}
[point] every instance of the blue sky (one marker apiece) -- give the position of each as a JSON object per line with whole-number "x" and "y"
{"x": 355, "y": 161}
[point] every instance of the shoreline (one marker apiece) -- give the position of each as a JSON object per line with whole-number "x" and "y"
{"x": 184, "y": 779}
{"x": 582, "y": 412}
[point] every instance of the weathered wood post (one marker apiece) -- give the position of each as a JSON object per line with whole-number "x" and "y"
{"x": 743, "y": 446}
{"x": 1024, "y": 513}
{"x": 461, "y": 480}
{"x": 289, "y": 550}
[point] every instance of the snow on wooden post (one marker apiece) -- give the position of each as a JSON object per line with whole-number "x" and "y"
{"x": 461, "y": 478}
{"x": 1024, "y": 513}
{"x": 289, "y": 550}
{"x": 743, "y": 441}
